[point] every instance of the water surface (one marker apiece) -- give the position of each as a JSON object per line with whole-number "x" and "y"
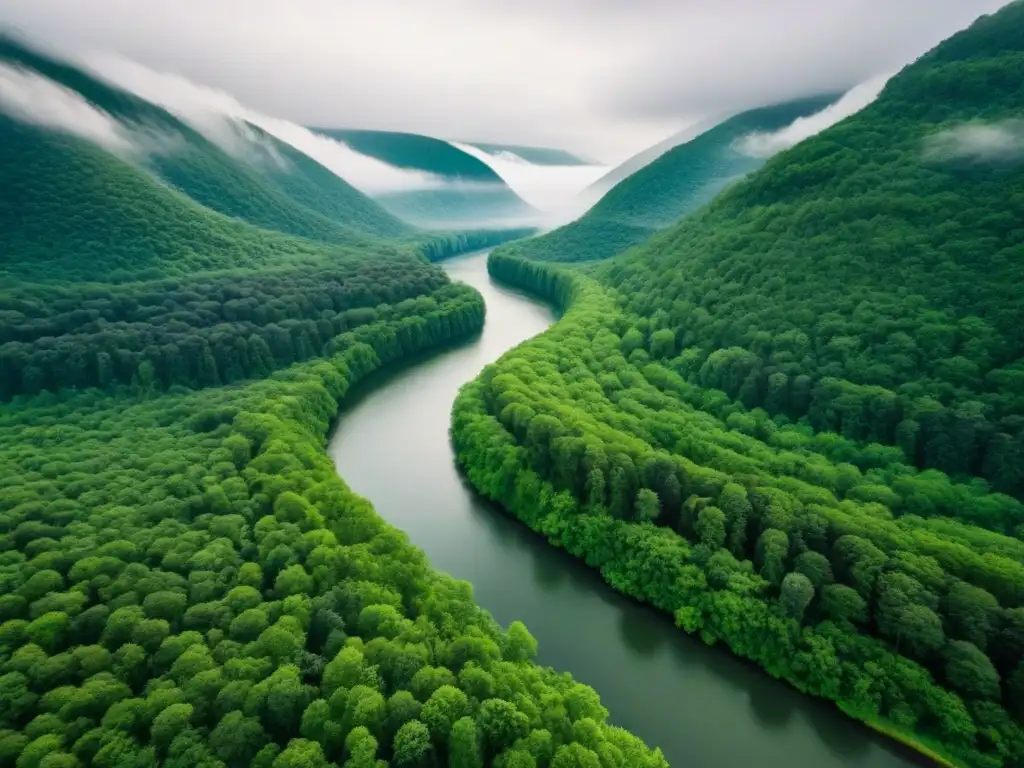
{"x": 701, "y": 705}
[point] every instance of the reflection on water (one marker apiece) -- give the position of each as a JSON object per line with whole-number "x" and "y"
{"x": 701, "y": 705}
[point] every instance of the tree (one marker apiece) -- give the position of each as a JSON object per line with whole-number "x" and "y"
{"x": 734, "y": 503}
{"x": 971, "y": 613}
{"x": 236, "y": 739}
{"x": 711, "y": 527}
{"x": 445, "y": 706}
{"x": 796, "y": 594}
{"x": 844, "y": 604}
{"x": 169, "y": 723}
{"x": 412, "y": 745}
{"x": 647, "y": 506}
{"x": 815, "y": 566}
{"x": 772, "y": 552}
{"x": 970, "y": 672}
{"x": 301, "y": 753}
{"x": 519, "y": 644}
{"x": 500, "y": 724}
{"x": 464, "y": 745}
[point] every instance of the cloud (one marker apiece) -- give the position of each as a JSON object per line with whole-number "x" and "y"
{"x": 602, "y": 77}
{"x": 223, "y": 120}
{"x": 853, "y": 101}
{"x": 32, "y": 98}
{"x": 1001, "y": 142}
{"x": 548, "y": 188}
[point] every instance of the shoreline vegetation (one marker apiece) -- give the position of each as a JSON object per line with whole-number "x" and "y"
{"x": 248, "y": 608}
{"x": 511, "y": 461}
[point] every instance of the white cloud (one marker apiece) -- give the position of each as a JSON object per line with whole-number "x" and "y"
{"x": 768, "y": 144}
{"x": 548, "y": 188}
{"x": 222, "y": 119}
{"x": 1001, "y": 142}
{"x": 32, "y": 98}
{"x": 603, "y": 77}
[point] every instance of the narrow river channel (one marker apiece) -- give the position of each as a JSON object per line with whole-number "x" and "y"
{"x": 703, "y": 707}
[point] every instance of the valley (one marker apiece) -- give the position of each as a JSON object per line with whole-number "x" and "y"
{"x": 326, "y": 446}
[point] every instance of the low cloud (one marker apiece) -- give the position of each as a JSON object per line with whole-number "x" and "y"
{"x": 551, "y": 189}
{"x": 853, "y": 101}
{"x": 1001, "y": 142}
{"x": 226, "y": 122}
{"x": 29, "y": 97}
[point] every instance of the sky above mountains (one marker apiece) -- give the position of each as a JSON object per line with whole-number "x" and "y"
{"x": 603, "y": 77}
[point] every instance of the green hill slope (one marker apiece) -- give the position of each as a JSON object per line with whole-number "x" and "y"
{"x": 886, "y": 274}
{"x": 659, "y": 194}
{"x": 468, "y": 194}
{"x": 302, "y": 199}
{"x": 69, "y": 210}
{"x": 793, "y": 421}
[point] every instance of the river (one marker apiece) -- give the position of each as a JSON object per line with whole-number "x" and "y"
{"x": 701, "y": 705}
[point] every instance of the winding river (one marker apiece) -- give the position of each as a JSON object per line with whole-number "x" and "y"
{"x": 702, "y": 706}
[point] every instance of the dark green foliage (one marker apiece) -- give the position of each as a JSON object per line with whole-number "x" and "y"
{"x": 793, "y": 529}
{"x": 198, "y": 587}
{"x": 72, "y": 211}
{"x": 443, "y": 246}
{"x": 659, "y": 194}
{"x": 195, "y": 331}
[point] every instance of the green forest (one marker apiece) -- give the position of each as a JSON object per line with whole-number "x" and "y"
{"x": 661, "y": 193}
{"x": 185, "y": 580}
{"x": 795, "y": 419}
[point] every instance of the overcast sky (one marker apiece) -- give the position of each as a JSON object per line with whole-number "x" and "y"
{"x": 604, "y": 77}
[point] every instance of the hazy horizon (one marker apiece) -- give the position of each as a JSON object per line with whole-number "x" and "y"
{"x": 602, "y": 79}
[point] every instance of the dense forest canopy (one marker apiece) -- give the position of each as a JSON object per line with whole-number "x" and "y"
{"x": 659, "y": 194}
{"x": 184, "y": 579}
{"x": 864, "y": 282}
{"x": 794, "y": 420}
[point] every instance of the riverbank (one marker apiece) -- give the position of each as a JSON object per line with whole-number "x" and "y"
{"x": 700, "y": 705}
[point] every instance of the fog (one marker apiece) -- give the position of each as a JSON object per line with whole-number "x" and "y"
{"x": 1001, "y": 142}
{"x": 854, "y": 100}
{"x": 603, "y": 77}
{"x": 551, "y": 189}
{"x": 32, "y": 98}
{"x": 222, "y": 119}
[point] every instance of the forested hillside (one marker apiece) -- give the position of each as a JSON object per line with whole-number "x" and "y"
{"x": 274, "y": 187}
{"x": 793, "y": 420}
{"x": 466, "y": 193}
{"x": 661, "y": 193}
{"x": 184, "y": 578}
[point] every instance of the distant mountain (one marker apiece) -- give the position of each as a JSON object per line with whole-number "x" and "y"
{"x": 100, "y": 184}
{"x": 678, "y": 180}
{"x": 274, "y": 187}
{"x": 415, "y": 152}
{"x": 467, "y": 192}
{"x": 627, "y": 168}
{"x": 535, "y": 155}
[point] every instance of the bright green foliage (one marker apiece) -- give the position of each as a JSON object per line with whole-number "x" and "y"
{"x": 807, "y": 520}
{"x": 191, "y": 583}
{"x": 662, "y": 192}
